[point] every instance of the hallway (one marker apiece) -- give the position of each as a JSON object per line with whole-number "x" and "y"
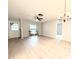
{"x": 40, "y": 47}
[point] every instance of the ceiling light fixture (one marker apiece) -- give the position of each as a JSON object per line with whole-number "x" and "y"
{"x": 65, "y": 17}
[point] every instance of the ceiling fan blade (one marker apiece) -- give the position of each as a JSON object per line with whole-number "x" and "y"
{"x": 37, "y": 17}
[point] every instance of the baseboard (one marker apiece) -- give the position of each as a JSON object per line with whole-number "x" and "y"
{"x": 15, "y": 38}
{"x": 48, "y": 37}
{"x": 39, "y": 36}
{"x": 66, "y": 41}
{"x": 55, "y": 38}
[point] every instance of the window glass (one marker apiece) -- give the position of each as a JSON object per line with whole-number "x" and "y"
{"x": 59, "y": 27}
{"x": 33, "y": 29}
{"x": 15, "y": 27}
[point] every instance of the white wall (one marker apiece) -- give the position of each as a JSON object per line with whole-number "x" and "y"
{"x": 67, "y": 31}
{"x": 26, "y": 27}
{"x": 49, "y": 29}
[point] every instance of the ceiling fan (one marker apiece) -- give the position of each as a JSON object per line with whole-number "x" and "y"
{"x": 39, "y": 17}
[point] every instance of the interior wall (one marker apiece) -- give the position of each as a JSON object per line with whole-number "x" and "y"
{"x": 49, "y": 29}
{"x": 26, "y": 27}
{"x": 67, "y": 31}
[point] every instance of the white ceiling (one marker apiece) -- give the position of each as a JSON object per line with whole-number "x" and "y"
{"x": 27, "y": 9}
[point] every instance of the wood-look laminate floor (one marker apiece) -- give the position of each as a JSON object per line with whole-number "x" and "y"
{"x": 36, "y": 47}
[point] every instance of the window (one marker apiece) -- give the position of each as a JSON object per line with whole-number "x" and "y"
{"x": 59, "y": 30}
{"x": 15, "y": 27}
{"x": 59, "y": 27}
{"x": 33, "y": 29}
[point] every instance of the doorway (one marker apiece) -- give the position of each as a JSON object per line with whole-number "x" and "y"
{"x": 59, "y": 30}
{"x": 33, "y": 30}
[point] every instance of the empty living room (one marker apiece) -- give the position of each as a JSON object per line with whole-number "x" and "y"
{"x": 39, "y": 29}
